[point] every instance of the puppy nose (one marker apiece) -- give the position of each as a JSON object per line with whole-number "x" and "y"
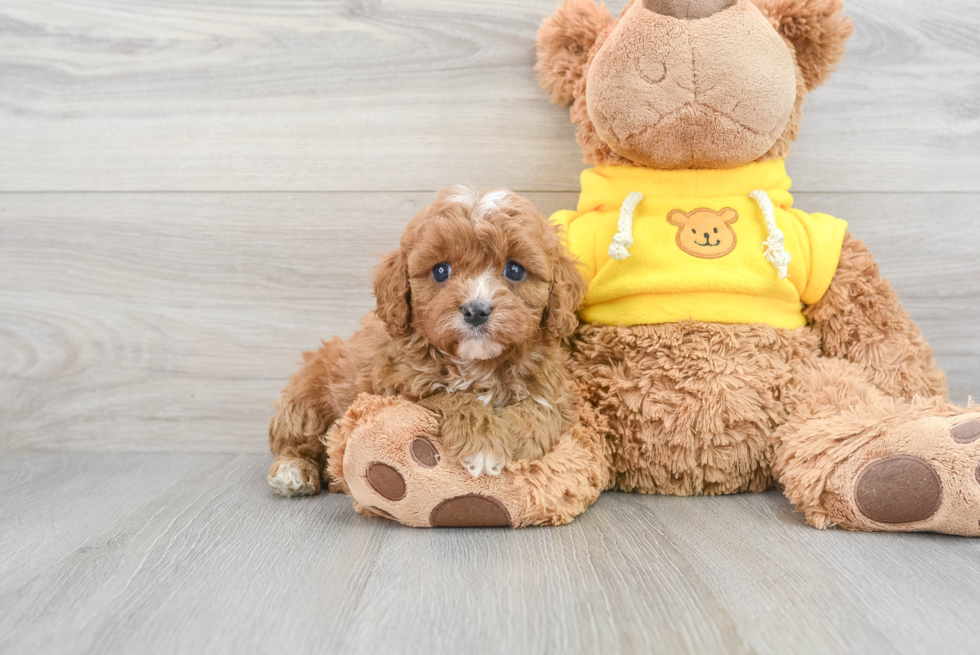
{"x": 690, "y": 9}
{"x": 476, "y": 312}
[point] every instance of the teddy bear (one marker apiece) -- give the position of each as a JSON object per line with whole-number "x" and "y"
{"x": 728, "y": 342}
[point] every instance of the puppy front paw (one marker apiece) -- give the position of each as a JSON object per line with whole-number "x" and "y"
{"x": 488, "y": 463}
{"x": 294, "y": 477}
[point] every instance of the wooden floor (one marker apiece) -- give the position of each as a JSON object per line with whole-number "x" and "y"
{"x": 192, "y": 192}
{"x": 190, "y": 553}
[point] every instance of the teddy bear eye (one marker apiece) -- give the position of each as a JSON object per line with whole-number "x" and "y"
{"x": 514, "y": 271}
{"x": 441, "y": 271}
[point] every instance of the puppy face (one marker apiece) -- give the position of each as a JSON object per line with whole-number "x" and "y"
{"x": 477, "y": 275}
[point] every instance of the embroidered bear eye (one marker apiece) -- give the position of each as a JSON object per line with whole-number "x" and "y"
{"x": 441, "y": 271}
{"x": 693, "y": 231}
{"x": 716, "y": 230}
{"x": 514, "y": 272}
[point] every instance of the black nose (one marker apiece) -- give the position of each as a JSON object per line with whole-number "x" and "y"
{"x": 707, "y": 237}
{"x": 476, "y": 312}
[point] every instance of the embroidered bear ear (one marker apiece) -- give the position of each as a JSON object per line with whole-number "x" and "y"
{"x": 678, "y": 217}
{"x": 565, "y": 40}
{"x": 729, "y": 215}
{"x": 818, "y": 31}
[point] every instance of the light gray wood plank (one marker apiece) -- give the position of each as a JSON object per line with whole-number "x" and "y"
{"x": 171, "y": 321}
{"x": 411, "y": 95}
{"x": 191, "y": 553}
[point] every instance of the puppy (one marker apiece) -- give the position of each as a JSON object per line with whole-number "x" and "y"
{"x": 471, "y": 312}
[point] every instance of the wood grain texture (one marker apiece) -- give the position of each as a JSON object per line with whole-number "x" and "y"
{"x": 171, "y": 321}
{"x": 191, "y": 553}
{"x": 162, "y": 307}
{"x": 340, "y": 95}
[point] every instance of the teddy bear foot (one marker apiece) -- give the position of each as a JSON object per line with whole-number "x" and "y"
{"x": 393, "y": 467}
{"x": 920, "y": 476}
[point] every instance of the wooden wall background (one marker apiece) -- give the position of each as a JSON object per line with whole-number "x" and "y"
{"x": 193, "y": 192}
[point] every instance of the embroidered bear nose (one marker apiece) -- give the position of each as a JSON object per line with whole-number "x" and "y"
{"x": 476, "y": 312}
{"x": 689, "y": 9}
{"x": 707, "y": 237}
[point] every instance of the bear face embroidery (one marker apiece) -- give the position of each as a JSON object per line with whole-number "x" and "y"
{"x": 705, "y": 233}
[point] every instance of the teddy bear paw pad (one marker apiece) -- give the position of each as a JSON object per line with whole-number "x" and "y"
{"x": 386, "y": 481}
{"x": 898, "y": 489}
{"x": 468, "y": 511}
{"x": 923, "y": 475}
{"x": 966, "y": 433}
{"x": 424, "y": 453}
{"x": 394, "y": 468}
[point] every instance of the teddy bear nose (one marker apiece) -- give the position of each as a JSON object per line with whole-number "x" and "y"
{"x": 687, "y": 9}
{"x": 476, "y": 312}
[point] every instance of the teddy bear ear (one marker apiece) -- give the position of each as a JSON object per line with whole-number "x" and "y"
{"x": 677, "y": 217}
{"x": 564, "y": 42}
{"x": 818, "y": 31}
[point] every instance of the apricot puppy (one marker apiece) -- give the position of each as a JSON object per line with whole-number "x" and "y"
{"x": 471, "y": 311}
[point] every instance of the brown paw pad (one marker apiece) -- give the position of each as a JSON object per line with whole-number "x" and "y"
{"x": 424, "y": 453}
{"x": 966, "y": 433}
{"x": 470, "y": 511}
{"x": 898, "y": 489}
{"x": 386, "y": 481}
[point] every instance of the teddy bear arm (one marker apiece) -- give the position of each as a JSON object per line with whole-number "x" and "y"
{"x": 388, "y": 453}
{"x": 860, "y": 319}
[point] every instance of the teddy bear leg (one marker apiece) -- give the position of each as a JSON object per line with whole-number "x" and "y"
{"x": 859, "y": 459}
{"x": 387, "y": 454}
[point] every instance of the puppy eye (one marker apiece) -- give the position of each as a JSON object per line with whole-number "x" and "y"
{"x": 441, "y": 271}
{"x": 514, "y": 271}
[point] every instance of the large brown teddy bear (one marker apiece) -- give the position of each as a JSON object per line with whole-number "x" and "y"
{"x": 729, "y": 341}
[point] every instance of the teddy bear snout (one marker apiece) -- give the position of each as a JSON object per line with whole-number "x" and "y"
{"x": 687, "y": 9}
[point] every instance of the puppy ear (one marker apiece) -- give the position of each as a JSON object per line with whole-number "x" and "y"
{"x": 567, "y": 291}
{"x": 564, "y": 42}
{"x": 818, "y": 31}
{"x": 393, "y": 294}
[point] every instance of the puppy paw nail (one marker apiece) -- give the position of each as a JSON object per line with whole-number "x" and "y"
{"x": 474, "y": 465}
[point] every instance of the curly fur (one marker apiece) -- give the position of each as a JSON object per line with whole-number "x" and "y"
{"x": 691, "y": 406}
{"x": 416, "y": 345}
{"x": 694, "y": 408}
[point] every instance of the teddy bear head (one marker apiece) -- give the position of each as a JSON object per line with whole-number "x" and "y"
{"x": 679, "y": 84}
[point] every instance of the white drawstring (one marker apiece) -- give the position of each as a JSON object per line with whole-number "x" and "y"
{"x": 774, "y": 245}
{"x": 624, "y": 234}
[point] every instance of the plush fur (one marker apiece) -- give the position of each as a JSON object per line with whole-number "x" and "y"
{"x": 548, "y": 490}
{"x": 716, "y": 52}
{"x": 499, "y": 387}
{"x": 848, "y": 414}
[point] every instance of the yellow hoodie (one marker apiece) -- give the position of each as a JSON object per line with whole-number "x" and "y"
{"x": 719, "y": 246}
